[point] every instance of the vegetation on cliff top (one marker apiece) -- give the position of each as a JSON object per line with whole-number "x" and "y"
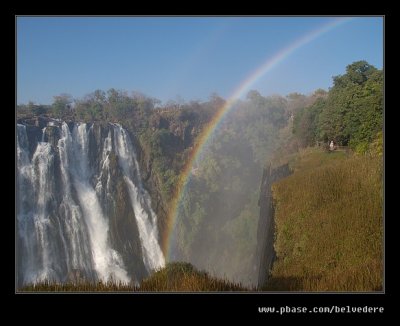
{"x": 351, "y": 114}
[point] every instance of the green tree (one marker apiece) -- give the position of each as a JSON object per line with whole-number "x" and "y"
{"x": 353, "y": 113}
{"x": 356, "y": 73}
{"x": 61, "y": 104}
{"x": 350, "y": 114}
{"x": 305, "y": 123}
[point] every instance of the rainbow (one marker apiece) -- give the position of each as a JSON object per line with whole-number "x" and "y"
{"x": 208, "y": 131}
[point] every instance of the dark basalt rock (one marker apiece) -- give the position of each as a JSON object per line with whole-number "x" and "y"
{"x": 52, "y": 135}
{"x": 265, "y": 254}
{"x": 123, "y": 230}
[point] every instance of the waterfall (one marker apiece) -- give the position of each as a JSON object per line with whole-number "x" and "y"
{"x": 35, "y": 189}
{"x": 107, "y": 262}
{"x": 78, "y": 253}
{"x": 140, "y": 201}
{"x": 62, "y": 225}
{"x": 43, "y": 133}
{"x": 25, "y": 207}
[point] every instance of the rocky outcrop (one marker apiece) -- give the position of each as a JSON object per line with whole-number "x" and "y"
{"x": 123, "y": 232}
{"x": 152, "y": 184}
{"x": 265, "y": 254}
{"x": 181, "y": 127}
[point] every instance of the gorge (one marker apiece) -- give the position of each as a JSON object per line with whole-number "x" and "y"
{"x": 116, "y": 188}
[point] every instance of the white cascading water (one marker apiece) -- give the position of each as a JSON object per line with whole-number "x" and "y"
{"x": 78, "y": 253}
{"x": 105, "y": 164}
{"x": 140, "y": 200}
{"x": 43, "y": 133}
{"x": 35, "y": 190}
{"x": 41, "y": 163}
{"x": 61, "y": 223}
{"x": 107, "y": 262}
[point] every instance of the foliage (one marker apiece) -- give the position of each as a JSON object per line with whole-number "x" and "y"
{"x": 352, "y": 113}
{"x": 61, "y": 104}
{"x": 115, "y": 106}
{"x": 30, "y": 110}
{"x": 376, "y": 147}
{"x": 305, "y": 122}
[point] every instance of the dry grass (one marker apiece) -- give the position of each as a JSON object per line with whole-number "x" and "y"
{"x": 329, "y": 224}
{"x": 183, "y": 277}
{"x": 175, "y": 277}
{"x": 82, "y": 286}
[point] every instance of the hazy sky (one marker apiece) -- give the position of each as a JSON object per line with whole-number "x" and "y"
{"x": 192, "y": 57}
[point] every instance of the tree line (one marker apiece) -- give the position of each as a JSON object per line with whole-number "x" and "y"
{"x": 351, "y": 114}
{"x": 112, "y": 105}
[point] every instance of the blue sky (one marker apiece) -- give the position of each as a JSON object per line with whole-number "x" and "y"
{"x": 190, "y": 57}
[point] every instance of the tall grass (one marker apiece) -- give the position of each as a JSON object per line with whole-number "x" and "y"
{"x": 81, "y": 286}
{"x": 175, "y": 277}
{"x": 329, "y": 224}
{"x": 183, "y": 277}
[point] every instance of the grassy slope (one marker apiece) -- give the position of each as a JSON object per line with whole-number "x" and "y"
{"x": 329, "y": 224}
{"x": 184, "y": 277}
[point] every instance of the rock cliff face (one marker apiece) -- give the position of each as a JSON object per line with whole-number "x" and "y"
{"x": 180, "y": 128}
{"x": 83, "y": 206}
{"x": 265, "y": 255}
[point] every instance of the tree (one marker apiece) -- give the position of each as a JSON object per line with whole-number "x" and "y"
{"x": 320, "y": 93}
{"x": 61, "y": 103}
{"x": 305, "y": 123}
{"x": 353, "y": 113}
{"x": 99, "y": 96}
{"x": 253, "y": 95}
{"x": 356, "y": 73}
